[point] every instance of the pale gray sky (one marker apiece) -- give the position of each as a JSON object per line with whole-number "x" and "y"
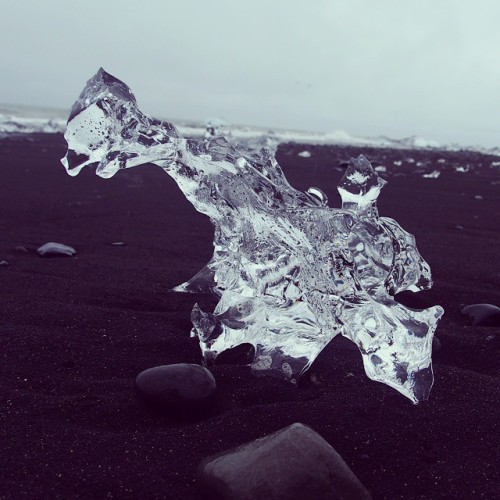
{"x": 371, "y": 67}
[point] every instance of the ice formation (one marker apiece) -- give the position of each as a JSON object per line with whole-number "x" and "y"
{"x": 291, "y": 272}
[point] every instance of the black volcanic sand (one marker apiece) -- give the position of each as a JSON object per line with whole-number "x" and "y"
{"x": 77, "y": 331}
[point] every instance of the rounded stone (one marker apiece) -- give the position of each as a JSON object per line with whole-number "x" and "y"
{"x": 483, "y": 314}
{"x": 181, "y": 389}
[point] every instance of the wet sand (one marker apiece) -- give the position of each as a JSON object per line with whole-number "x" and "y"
{"x": 76, "y": 331}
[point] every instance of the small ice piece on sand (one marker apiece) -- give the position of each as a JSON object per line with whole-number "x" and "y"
{"x": 462, "y": 170}
{"x": 294, "y": 462}
{"x": 52, "y": 249}
{"x": 432, "y": 175}
{"x": 305, "y": 154}
{"x": 478, "y": 197}
{"x": 398, "y": 163}
{"x": 495, "y": 164}
{"x": 4, "y": 263}
{"x": 118, "y": 244}
{"x": 483, "y": 314}
{"x": 441, "y": 160}
{"x": 381, "y": 169}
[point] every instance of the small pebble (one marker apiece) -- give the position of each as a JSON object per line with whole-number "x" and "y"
{"x": 177, "y": 390}
{"x": 52, "y": 249}
{"x": 432, "y": 175}
{"x": 305, "y": 154}
{"x": 118, "y": 244}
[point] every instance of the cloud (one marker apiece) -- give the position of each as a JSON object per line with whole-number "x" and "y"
{"x": 388, "y": 67}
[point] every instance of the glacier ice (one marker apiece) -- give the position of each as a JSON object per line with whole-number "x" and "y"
{"x": 291, "y": 272}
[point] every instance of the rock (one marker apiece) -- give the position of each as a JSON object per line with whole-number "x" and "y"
{"x": 52, "y": 249}
{"x": 293, "y": 463}
{"x": 483, "y": 314}
{"x": 178, "y": 390}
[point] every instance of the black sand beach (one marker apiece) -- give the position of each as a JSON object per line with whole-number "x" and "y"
{"x": 75, "y": 332}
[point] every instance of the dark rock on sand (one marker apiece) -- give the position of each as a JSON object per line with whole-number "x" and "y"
{"x": 21, "y": 249}
{"x": 483, "y": 314}
{"x": 52, "y": 249}
{"x": 293, "y": 463}
{"x": 178, "y": 390}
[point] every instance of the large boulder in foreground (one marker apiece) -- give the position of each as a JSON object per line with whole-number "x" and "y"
{"x": 293, "y": 463}
{"x": 182, "y": 389}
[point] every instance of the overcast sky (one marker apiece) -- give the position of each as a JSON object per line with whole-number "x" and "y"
{"x": 370, "y": 67}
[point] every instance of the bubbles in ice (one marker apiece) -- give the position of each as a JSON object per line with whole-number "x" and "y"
{"x": 291, "y": 272}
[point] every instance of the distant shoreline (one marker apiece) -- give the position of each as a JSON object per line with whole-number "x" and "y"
{"x": 15, "y": 119}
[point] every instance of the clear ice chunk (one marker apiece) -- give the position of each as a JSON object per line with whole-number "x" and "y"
{"x": 291, "y": 272}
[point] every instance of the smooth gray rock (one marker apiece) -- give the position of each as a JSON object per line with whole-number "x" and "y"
{"x": 483, "y": 314}
{"x": 293, "y": 463}
{"x": 52, "y": 249}
{"x": 179, "y": 390}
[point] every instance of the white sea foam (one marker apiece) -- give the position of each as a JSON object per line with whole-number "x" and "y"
{"x": 30, "y": 119}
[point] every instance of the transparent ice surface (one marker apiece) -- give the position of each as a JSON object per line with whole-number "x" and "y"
{"x": 291, "y": 272}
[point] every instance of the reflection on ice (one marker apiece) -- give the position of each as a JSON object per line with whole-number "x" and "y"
{"x": 291, "y": 272}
